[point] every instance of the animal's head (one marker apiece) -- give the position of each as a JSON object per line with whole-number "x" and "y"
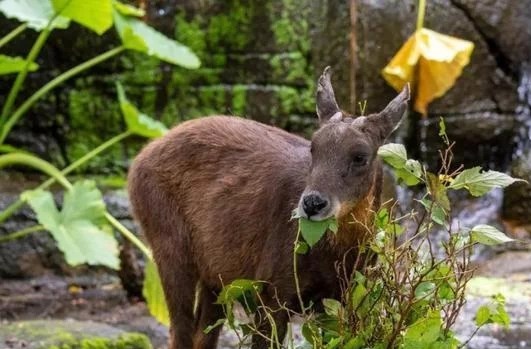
{"x": 343, "y": 151}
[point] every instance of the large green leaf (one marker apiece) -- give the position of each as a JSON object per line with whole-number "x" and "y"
{"x": 93, "y": 14}
{"x": 137, "y": 122}
{"x": 78, "y": 227}
{"x": 137, "y": 35}
{"x": 10, "y": 65}
{"x": 479, "y": 183}
{"x": 154, "y": 294}
{"x": 36, "y": 13}
{"x": 488, "y": 235}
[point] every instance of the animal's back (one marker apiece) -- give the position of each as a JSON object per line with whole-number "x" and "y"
{"x": 220, "y": 191}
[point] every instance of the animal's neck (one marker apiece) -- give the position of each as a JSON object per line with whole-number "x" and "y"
{"x": 355, "y": 221}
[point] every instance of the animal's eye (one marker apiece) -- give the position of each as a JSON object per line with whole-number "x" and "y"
{"x": 360, "y": 160}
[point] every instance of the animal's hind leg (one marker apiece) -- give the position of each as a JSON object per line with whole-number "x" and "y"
{"x": 208, "y": 312}
{"x": 179, "y": 279}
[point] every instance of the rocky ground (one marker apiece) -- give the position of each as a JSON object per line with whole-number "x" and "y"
{"x": 98, "y": 297}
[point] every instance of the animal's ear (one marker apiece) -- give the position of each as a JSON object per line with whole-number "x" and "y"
{"x": 326, "y": 100}
{"x": 389, "y": 119}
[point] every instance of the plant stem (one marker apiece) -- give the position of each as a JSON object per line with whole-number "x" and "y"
{"x": 21, "y": 233}
{"x": 10, "y": 122}
{"x": 19, "y": 81}
{"x": 11, "y": 209}
{"x": 35, "y": 162}
{"x": 129, "y": 235}
{"x": 420, "y": 14}
{"x": 295, "y": 275}
{"x": 12, "y": 34}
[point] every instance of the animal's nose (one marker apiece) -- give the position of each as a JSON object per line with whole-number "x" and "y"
{"x": 312, "y": 204}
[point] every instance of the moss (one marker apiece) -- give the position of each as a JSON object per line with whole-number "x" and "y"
{"x": 126, "y": 341}
{"x": 230, "y": 29}
{"x": 139, "y": 69}
{"x": 58, "y": 334}
{"x": 86, "y": 105}
{"x": 238, "y": 100}
{"x": 291, "y": 68}
{"x": 289, "y": 24}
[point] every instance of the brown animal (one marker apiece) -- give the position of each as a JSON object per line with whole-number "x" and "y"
{"x": 214, "y": 198}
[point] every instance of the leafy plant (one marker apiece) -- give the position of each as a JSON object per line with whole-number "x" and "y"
{"x": 82, "y": 227}
{"x": 411, "y": 295}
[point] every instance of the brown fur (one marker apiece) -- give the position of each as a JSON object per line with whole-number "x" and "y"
{"x": 214, "y": 199}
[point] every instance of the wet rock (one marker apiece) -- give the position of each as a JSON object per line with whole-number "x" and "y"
{"x": 489, "y": 134}
{"x": 517, "y": 203}
{"x": 517, "y": 291}
{"x": 260, "y": 60}
{"x": 517, "y": 200}
{"x": 48, "y": 334}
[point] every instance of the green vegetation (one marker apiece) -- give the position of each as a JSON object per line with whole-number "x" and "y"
{"x": 58, "y": 334}
{"x": 82, "y": 228}
{"x": 405, "y": 295}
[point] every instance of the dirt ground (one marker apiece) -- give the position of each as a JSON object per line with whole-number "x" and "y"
{"x": 99, "y": 297}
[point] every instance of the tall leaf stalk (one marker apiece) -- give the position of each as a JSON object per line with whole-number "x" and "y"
{"x": 10, "y": 122}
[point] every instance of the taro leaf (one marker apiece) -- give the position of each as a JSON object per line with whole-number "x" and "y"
{"x": 479, "y": 183}
{"x": 154, "y": 294}
{"x": 488, "y": 235}
{"x": 96, "y": 15}
{"x": 128, "y": 10}
{"x": 137, "y": 122}
{"x": 36, "y": 13}
{"x": 313, "y": 231}
{"x": 424, "y": 332}
{"x": 10, "y": 65}
{"x": 77, "y": 228}
{"x": 137, "y": 35}
{"x": 394, "y": 154}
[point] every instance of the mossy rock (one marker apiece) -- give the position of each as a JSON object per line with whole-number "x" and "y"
{"x": 68, "y": 334}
